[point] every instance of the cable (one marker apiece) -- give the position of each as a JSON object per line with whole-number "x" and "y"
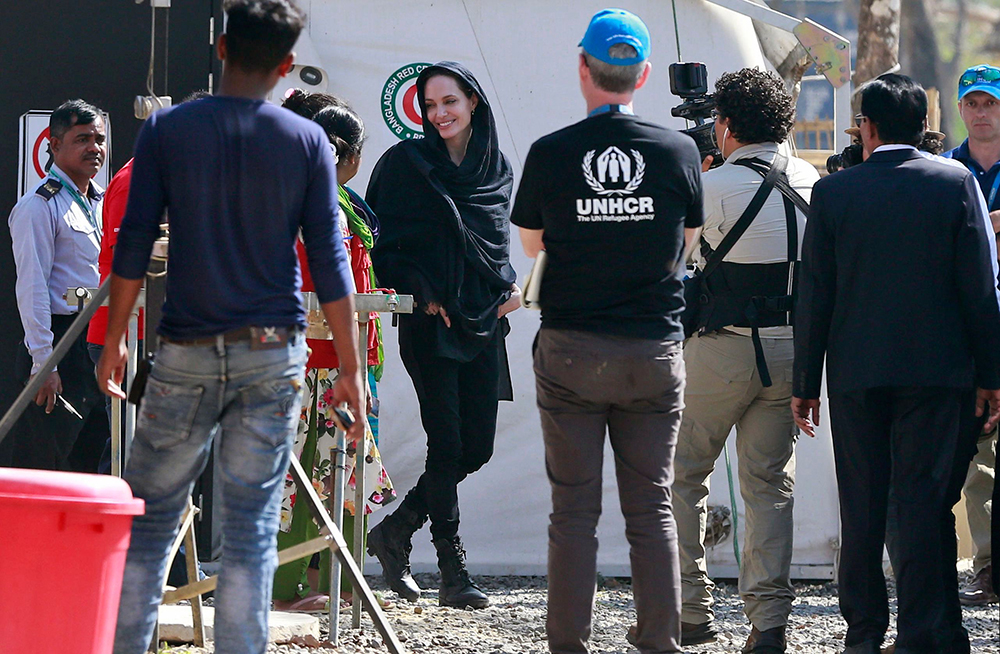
{"x": 166, "y": 54}
{"x": 152, "y": 51}
{"x": 489, "y": 74}
{"x": 677, "y": 33}
{"x": 729, "y": 466}
{"x": 732, "y": 501}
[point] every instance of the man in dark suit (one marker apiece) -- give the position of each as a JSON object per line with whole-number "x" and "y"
{"x": 899, "y": 295}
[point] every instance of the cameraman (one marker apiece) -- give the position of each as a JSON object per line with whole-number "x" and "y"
{"x": 726, "y": 386}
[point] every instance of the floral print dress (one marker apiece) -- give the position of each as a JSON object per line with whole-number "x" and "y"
{"x": 317, "y": 402}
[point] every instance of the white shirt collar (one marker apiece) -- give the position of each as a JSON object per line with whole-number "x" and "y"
{"x": 894, "y": 146}
{"x": 753, "y": 150}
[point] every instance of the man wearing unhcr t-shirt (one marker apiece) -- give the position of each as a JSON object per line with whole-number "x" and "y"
{"x": 612, "y": 200}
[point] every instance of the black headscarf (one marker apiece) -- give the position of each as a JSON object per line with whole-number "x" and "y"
{"x": 444, "y": 228}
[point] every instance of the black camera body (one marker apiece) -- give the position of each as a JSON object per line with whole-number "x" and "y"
{"x": 851, "y": 156}
{"x": 689, "y": 81}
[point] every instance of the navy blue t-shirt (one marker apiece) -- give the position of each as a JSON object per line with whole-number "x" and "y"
{"x": 239, "y": 178}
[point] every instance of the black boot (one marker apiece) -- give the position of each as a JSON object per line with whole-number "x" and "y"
{"x": 389, "y": 542}
{"x": 456, "y": 588}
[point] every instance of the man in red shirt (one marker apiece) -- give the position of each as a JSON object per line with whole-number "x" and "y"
{"x": 115, "y": 200}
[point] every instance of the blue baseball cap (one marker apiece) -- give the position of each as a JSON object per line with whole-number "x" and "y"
{"x": 983, "y": 78}
{"x": 609, "y": 27}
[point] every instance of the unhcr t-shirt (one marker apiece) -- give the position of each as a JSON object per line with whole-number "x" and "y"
{"x": 613, "y": 194}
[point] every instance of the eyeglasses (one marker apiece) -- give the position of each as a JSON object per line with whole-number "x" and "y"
{"x": 715, "y": 114}
{"x": 986, "y": 74}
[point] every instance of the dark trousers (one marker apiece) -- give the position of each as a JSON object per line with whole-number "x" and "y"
{"x": 59, "y": 440}
{"x": 996, "y": 532}
{"x": 458, "y": 410}
{"x": 892, "y": 528}
{"x": 590, "y": 386}
{"x": 905, "y": 450}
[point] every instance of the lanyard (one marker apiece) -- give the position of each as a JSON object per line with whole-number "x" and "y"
{"x": 612, "y": 109}
{"x": 993, "y": 191}
{"x": 79, "y": 200}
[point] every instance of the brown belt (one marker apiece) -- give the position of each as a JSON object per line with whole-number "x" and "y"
{"x": 241, "y": 335}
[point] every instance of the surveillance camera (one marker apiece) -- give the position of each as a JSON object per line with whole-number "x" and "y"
{"x": 308, "y": 78}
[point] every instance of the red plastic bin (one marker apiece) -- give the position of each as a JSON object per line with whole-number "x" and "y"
{"x": 62, "y": 555}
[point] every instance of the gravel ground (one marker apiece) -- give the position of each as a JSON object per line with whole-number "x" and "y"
{"x": 515, "y": 622}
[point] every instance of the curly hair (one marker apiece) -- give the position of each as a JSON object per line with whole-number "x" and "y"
{"x": 756, "y": 105}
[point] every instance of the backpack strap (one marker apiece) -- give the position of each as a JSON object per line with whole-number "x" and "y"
{"x": 791, "y": 199}
{"x": 783, "y": 185}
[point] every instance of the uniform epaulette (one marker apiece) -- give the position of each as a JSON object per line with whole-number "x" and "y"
{"x": 49, "y": 189}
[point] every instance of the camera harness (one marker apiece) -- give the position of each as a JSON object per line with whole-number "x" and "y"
{"x": 749, "y": 295}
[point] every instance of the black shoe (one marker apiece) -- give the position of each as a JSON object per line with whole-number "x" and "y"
{"x": 867, "y": 647}
{"x": 980, "y": 591}
{"x": 691, "y": 634}
{"x": 770, "y": 641}
{"x": 697, "y": 634}
{"x": 457, "y": 589}
{"x": 390, "y": 542}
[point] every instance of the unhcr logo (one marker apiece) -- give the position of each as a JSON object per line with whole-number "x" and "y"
{"x": 614, "y": 169}
{"x": 614, "y": 176}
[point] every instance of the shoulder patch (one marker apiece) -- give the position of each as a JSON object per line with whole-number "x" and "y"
{"x": 49, "y": 189}
{"x": 95, "y": 192}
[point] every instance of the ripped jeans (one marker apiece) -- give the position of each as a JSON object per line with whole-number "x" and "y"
{"x": 251, "y": 401}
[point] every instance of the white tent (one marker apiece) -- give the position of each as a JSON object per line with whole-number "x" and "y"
{"x": 524, "y": 54}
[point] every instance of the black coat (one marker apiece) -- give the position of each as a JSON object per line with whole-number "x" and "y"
{"x": 897, "y": 284}
{"x": 444, "y": 228}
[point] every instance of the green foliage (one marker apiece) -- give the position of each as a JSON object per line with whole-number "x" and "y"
{"x": 166, "y": 649}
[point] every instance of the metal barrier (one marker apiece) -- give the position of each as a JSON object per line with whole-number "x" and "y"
{"x": 88, "y": 300}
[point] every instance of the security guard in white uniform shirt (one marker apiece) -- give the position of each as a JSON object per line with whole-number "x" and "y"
{"x": 56, "y": 236}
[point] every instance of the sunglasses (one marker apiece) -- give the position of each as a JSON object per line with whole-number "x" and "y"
{"x": 858, "y": 119}
{"x": 978, "y": 75}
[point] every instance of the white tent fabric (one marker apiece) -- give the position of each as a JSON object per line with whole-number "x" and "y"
{"x": 524, "y": 54}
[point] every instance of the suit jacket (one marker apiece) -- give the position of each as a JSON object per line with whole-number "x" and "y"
{"x": 896, "y": 283}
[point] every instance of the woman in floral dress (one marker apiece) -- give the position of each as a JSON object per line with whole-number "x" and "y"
{"x": 304, "y": 585}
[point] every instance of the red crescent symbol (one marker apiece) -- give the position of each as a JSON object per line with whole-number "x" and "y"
{"x": 410, "y": 107}
{"x": 34, "y": 152}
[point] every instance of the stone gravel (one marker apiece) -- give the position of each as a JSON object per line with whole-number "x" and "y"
{"x": 515, "y": 622}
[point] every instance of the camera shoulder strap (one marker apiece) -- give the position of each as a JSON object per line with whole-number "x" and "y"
{"x": 747, "y": 216}
{"x": 792, "y": 200}
{"x": 782, "y": 184}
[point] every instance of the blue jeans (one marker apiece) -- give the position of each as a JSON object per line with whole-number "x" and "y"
{"x": 251, "y": 399}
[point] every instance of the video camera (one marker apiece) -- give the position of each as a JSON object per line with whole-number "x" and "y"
{"x": 689, "y": 80}
{"x": 851, "y": 156}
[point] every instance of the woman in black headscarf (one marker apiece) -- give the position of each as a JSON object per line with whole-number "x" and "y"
{"x": 444, "y": 206}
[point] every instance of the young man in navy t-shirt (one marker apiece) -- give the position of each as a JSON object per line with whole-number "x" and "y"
{"x": 239, "y": 179}
{"x": 612, "y": 200}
